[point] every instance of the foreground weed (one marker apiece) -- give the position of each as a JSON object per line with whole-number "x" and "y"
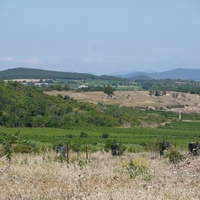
{"x": 8, "y": 141}
{"x": 136, "y": 167}
{"x": 82, "y": 163}
{"x": 174, "y": 156}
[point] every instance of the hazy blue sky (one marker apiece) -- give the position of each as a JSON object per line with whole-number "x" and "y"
{"x": 100, "y": 36}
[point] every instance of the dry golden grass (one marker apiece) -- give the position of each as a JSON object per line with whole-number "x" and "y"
{"x": 139, "y": 99}
{"x": 101, "y": 177}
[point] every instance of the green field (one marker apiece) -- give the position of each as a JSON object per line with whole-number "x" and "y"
{"x": 122, "y": 85}
{"x": 178, "y": 133}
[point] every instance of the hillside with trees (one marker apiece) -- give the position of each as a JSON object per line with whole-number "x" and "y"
{"x": 22, "y": 106}
{"x": 26, "y": 73}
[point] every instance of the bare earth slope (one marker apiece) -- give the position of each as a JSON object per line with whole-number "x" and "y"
{"x": 174, "y": 101}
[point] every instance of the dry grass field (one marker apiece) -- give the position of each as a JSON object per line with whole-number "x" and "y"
{"x": 140, "y": 99}
{"x": 102, "y": 177}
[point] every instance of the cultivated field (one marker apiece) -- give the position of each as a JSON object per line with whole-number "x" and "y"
{"x": 177, "y": 101}
{"x": 135, "y": 139}
{"x": 102, "y": 177}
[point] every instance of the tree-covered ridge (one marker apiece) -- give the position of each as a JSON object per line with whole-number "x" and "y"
{"x": 22, "y": 106}
{"x": 20, "y": 73}
{"x": 25, "y": 73}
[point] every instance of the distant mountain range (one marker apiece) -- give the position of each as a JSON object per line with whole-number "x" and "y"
{"x": 26, "y": 73}
{"x": 179, "y": 73}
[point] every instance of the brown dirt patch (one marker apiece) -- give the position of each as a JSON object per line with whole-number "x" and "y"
{"x": 171, "y": 101}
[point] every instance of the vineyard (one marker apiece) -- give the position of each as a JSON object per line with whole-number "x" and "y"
{"x": 134, "y": 139}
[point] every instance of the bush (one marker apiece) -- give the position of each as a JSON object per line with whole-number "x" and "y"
{"x": 119, "y": 149}
{"x": 105, "y": 135}
{"x": 20, "y": 148}
{"x": 136, "y": 167}
{"x": 135, "y": 148}
{"x": 1, "y": 151}
{"x": 8, "y": 140}
{"x": 83, "y": 134}
{"x": 36, "y": 146}
{"x": 109, "y": 144}
{"x": 174, "y": 156}
{"x": 69, "y": 135}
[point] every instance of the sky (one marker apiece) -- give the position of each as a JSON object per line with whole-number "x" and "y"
{"x": 100, "y": 36}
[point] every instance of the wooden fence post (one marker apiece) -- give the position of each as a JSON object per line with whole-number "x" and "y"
{"x": 78, "y": 151}
{"x": 67, "y": 153}
{"x": 87, "y": 153}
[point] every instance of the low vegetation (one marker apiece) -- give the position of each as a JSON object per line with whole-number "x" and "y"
{"x": 101, "y": 176}
{"x": 163, "y": 85}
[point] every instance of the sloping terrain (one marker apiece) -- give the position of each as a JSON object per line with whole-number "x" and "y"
{"x": 26, "y": 73}
{"x": 173, "y": 101}
{"x": 179, "y": 73}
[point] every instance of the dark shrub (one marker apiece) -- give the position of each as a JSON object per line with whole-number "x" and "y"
{"x": 83, "y": 134}
{"x": 105, "y": 135}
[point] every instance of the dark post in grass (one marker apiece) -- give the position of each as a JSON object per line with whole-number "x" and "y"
{"x": 86, "y": 153}
{"x": 67, "y": 153}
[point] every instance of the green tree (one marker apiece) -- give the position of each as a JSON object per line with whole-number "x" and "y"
{"x": 109, "y": 90}
{"x": 8, "y": 141}
{"x": 58, "y": 87}
{"x": 66, "y": 87}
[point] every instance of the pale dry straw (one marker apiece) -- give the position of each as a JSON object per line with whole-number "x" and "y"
{"x": 101, "y": 177}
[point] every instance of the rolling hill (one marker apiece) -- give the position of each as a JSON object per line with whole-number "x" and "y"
{"x": 26, "y": 73}
{"x": 179, "y": 73}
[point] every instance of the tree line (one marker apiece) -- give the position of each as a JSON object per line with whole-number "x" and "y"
{"x": 26, "y": 73}
{"x": 186, "y": 86}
